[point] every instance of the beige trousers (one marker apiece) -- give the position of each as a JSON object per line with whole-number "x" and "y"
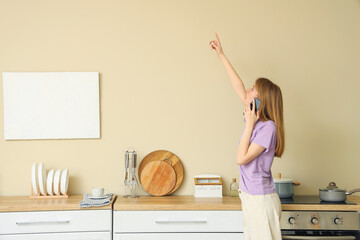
{"x": 261, "y": 216}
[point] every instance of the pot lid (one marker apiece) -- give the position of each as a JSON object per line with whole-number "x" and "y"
{"x": 283, "y": 180}
{"x": 332, "y": 188}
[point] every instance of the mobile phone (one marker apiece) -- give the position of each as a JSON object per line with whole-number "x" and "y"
{"x": 257, "y": 104}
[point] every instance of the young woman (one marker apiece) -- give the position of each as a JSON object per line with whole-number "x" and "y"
{"x": 261, "y": 141}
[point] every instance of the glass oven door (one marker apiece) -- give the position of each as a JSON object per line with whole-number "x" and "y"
{"x": 319, "y": 237}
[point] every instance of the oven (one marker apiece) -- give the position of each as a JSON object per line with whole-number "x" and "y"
{"x": 319, "y": 225}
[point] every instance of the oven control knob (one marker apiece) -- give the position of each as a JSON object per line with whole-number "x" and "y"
{"x": 338, "y": 220}
{"x": 314, "y": 220}
{"x": 291, "y": 220}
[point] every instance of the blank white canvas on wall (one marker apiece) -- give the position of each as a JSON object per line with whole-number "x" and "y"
{"x": 51, "y": 105}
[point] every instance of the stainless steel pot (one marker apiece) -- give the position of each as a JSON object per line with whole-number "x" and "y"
{"x": 285, "y": 187}
{"x": 334, "y": 194}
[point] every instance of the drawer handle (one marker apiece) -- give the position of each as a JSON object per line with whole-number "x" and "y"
{"x": 42, "y": 222}
{"x": 181, "y": 221}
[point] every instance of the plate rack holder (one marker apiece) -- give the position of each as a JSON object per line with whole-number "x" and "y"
{"x": 39, "y": 196}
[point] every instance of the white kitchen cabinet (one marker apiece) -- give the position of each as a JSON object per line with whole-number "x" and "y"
{"x": 189, "y": 225}
{"x": 180, "y": 236}
{"x": 59, "y": 236}
{"x": 56, "y": 225}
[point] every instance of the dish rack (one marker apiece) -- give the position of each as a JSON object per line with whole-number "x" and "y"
{"x": 48, "y": 185}
{"x": 33, "y": 195}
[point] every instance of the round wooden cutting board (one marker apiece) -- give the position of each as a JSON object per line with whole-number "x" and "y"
{"x": 158, "y": 178}
{"x": 160, "y": 155}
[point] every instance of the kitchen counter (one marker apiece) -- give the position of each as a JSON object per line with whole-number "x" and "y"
{"x": 177, "y": 203}
{"x": 225, "y": 203}
{"x": 25, "y": 203}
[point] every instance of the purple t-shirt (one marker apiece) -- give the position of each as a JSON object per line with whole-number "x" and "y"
{"x": 255, "y": 176}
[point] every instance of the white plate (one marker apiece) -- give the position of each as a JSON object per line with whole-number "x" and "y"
{"x": 42, "y": 179}
{"x": 57, "y": 182}
{"x": 102, "y": 197}
{"x": 49, "y": 182}
{"x": 34, "y": 179}
{"x": 64, "y": 181}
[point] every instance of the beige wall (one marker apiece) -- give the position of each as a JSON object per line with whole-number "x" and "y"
{"x": 162, "y": 87}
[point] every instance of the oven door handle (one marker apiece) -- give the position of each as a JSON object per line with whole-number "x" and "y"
{"x": 318, "y": 237}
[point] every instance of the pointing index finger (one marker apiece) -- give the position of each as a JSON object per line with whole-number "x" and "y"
{"x": 217, "y": 38}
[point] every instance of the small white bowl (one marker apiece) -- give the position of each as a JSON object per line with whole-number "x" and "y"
{"x": 49, "y": 182}
{"x": 64, "y": 181}
{"x": 57, "y": 182}
{"x": 34, "y": 179}
{"x": 42, "y": 179}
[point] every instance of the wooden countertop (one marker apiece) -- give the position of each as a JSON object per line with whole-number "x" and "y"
{"x": 225, "y": 203}
{"x": 177, "y": 203}
{"x": 24, "y": 203}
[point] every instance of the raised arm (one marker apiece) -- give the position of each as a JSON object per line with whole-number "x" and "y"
{"x": 235, "y": 80}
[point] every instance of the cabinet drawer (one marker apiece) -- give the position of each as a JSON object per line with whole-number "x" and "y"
{"x": 177, "y": 221}
{"x": 59, "y": 236}
{"x": 179, "y": 236}
{"x": 55, "y": 221}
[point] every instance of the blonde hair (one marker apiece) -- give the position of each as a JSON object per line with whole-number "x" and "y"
{"x": 271, "y": 108}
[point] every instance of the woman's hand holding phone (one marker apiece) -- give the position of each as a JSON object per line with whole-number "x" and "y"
{"x": 251, "y": 117}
